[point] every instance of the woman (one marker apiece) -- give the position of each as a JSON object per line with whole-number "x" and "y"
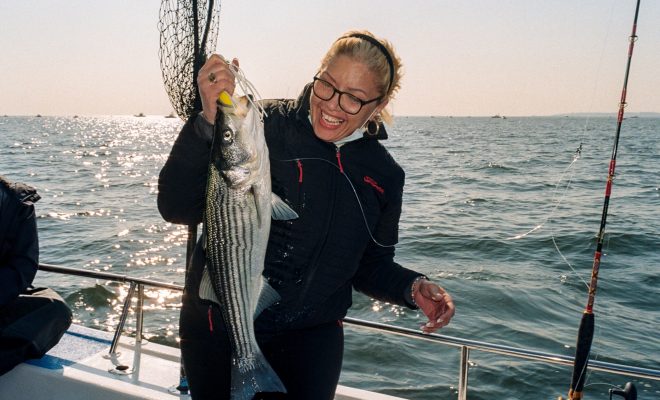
{"x": 347, "y": 191}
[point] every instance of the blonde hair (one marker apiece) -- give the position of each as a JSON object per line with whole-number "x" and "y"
{"x": 373, "y": 57}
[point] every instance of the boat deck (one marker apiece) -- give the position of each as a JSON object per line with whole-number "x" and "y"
{"x": 80, "y": 367}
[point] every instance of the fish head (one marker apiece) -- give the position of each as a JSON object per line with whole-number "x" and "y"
{"x": 240, "y": 143}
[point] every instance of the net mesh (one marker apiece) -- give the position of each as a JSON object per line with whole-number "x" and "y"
{"x": 188, "y": 32}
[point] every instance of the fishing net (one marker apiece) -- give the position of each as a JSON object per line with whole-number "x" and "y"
{"x": 188, "y": 32}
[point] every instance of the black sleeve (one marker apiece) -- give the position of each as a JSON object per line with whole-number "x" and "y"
{"x": 19, "y": 255}
{"x": 382, "y": 278}
{"x": 379, "y": 276}
{"x": 182, "y": 181}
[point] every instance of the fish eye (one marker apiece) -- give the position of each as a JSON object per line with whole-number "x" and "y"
{"x": 227, "y": 136}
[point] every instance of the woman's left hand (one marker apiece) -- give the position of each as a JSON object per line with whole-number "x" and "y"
{"x": 436, "y": 304}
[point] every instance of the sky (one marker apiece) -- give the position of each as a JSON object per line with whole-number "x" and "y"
{"x": 461, "y": 58}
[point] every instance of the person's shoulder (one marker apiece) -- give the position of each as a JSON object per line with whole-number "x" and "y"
{"x": 396, "y": 171}
{"x": 374, "y": 152}
{"x": 380, "y": 150}
{"x": 18, "y": 191}
{"x": 4, "y": 186}
{"x": 289, "y": 107}
{"x": 278, "y": 107}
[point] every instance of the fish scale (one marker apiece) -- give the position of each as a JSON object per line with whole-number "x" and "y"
{"x": 233, "y": 289}
{"x": 238, "y": 210}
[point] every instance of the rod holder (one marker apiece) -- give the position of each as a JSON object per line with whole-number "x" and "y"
{"x": 122, "y": 319}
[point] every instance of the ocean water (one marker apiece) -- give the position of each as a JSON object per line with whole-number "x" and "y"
{"x": 503, "y": 213}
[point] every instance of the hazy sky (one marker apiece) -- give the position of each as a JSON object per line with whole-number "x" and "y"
{"x": 509, "y": 57}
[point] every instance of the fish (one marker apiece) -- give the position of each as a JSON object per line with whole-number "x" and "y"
{"x": 239, "y": 206}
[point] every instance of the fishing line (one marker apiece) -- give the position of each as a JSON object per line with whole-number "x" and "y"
{"x": 585, "y": 137}
{"x": 581, "y": 374}
{"x": 364, "y": 216}
{"x": 589, "y": 138}
{"x": 251, "y": 94}
{"x": 248, "y": 89}
{"x": 587, "y": 323}
{"x": 561, "y": 177}
{"x": 586, "y": 131}
{"x": 576, "y": 156}
{"x": 606, "y": 384}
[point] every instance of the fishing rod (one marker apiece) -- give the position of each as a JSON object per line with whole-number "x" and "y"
{"x": 586, "y": 329}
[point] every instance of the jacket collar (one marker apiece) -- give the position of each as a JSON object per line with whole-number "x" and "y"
{"x": 302, "y": 113}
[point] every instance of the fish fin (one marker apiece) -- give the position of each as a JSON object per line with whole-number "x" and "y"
{"x": 281, "y": 210}
{"x": 254, "y": 376}
{"x": 267, "y": 297}
{"x": 206, "y": 291}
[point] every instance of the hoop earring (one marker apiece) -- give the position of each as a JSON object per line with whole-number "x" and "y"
{"x": 372, "y": 128}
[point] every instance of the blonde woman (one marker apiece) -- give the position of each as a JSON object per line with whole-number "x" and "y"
{"x": 328, "y": 164}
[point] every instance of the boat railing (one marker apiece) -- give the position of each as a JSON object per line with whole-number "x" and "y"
{"x": 464, "y": 345}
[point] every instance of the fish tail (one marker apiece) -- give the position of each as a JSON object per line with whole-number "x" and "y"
{"x": 259, "y": 378}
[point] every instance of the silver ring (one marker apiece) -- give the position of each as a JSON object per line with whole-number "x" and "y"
{"x": 211, "y": 77}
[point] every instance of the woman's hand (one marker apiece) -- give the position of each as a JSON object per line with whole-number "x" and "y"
{"x": 214, "y": 78}
{"x": 435, "y": 302}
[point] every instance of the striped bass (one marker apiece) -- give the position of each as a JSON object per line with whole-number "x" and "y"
{"x": 238, "y": 210}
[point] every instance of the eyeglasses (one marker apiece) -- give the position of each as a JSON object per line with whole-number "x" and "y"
{"x": 324, "y": 90}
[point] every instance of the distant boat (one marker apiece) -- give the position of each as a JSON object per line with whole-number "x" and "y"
{"x": 498, "y": 116}
{"x": 139, "y": 115}
{"x": 38, "y": 115}
{"x": 171, "y": 115}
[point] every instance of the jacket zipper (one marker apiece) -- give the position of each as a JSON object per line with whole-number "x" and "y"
{"x": 341, "y": 167}
{"x": 300, "y": 171}
{"x": 210, "y": 315}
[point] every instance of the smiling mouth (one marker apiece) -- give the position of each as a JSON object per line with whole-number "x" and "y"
{"x": 331, "y": 120}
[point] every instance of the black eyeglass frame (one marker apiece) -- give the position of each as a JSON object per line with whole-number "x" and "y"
{"x": 335, "y": 91}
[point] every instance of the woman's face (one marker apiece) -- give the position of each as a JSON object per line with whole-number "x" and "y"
{"x": 329, "y": 121}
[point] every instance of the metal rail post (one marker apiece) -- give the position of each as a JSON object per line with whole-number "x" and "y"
{"x": 139, "y": 314}
{"x": 122, "y": 319}
{"x": 463, "y": 373}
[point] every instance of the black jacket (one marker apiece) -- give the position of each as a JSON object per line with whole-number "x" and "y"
{"x": 314, "y": 261}
{"x": 19, "y": 244}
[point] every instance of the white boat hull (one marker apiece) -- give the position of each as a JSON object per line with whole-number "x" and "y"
{"x": 79, "y": 367}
